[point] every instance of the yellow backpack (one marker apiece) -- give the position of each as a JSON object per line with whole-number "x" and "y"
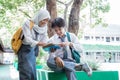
{"x": 16, "y": 41}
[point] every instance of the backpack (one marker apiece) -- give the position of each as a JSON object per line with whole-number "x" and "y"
{"x": 16, "y": 40}
{"x": 75, "y": 54}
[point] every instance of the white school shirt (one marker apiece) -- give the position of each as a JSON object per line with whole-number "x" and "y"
{"x": 59, "y": 52}
{"x": 30, "y": 37}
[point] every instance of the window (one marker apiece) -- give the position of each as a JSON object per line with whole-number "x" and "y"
{"x": 112, "y": 38}
{"x": 107, "y": 39}
{"x": 98, "y": 54}
{"x": 91, "y": 37}
{"x": 86, "y": 53}
{"x": 117, "y": 39}
{"x": 97, "y": 38}
{"x": 102, "y": 38}
{"x": 86, "y": 37}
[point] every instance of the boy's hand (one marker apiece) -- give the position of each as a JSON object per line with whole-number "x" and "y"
{"x": 59, "y": 62}
{"x": 63, "y": 44}
{"x": 52, "y": 49}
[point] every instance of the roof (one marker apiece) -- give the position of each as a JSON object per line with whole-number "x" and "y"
{"x": 99, "y": 47}
{"x": 100, "y": 30}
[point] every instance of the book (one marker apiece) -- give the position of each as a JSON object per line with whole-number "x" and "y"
{"x": 49, "y": 46}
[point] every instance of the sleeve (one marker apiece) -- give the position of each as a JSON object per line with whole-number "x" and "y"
{"x": 28, "y": 35}
{"x": 45, "y": 38}
{"x": 76, "y": 44}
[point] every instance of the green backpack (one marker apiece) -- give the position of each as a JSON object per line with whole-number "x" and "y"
{"x": 75, "y": 54}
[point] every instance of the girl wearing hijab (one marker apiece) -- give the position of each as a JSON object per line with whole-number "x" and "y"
{"x": 37, "y": 36}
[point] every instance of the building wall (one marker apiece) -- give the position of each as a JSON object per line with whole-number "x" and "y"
{"x": 104, "y": 36}
{"x": 103, "y": 56}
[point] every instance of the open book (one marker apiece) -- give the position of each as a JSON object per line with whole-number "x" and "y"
{"x": 51, "y": 45}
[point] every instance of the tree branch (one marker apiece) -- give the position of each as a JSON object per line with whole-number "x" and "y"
{"x": 60, "y": 2}
{"x": 24, "y": 13}
{"x": 67, "y": 4}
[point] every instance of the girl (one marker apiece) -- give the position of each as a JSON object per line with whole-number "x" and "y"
{"x": 37, "y": 36}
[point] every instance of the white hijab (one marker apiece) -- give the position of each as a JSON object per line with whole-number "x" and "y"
{"x": 41, "y": 15}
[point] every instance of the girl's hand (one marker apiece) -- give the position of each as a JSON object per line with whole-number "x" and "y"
{"x": 41, "y": 44}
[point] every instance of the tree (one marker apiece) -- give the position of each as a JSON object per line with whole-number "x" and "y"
{"x": 73, "y": 26}
{"x": 96, "y": 10}
{"x": 74, "y": 17}
{"x": 13, "y": 13}
{"x": 51, "y": 6}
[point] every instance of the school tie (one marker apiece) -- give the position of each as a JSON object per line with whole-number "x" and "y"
{"x": 65, "y": 55}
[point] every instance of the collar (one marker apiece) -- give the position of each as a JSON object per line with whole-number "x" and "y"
{"x": 63, "y": 35}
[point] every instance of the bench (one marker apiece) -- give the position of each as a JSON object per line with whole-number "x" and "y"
{"x": 97, "y": 75}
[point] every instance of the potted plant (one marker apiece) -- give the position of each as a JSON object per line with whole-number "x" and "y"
{"x": 107, "y": 56}
{"x": 94, "y": 65}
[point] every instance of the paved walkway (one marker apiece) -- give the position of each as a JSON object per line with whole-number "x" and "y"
{"x": 8, "y": 72}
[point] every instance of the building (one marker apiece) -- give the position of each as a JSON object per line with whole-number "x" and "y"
{"x": 102, "y": 43}
{"x": 6, "y": 54}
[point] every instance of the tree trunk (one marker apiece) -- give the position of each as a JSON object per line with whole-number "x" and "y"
{"x": 51, "y": 7}
{"x": 74, "y": 17}
{"x": 65, "y": 11}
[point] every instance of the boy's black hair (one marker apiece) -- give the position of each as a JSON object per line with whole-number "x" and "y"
{"x": 58, "y": 22}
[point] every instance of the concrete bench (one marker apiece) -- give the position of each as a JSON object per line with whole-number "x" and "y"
{"x": 97, "y": 75}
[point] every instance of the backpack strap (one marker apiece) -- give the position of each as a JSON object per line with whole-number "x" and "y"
{"x": 68, "y": 36}
{"x": 31, "y": 24}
